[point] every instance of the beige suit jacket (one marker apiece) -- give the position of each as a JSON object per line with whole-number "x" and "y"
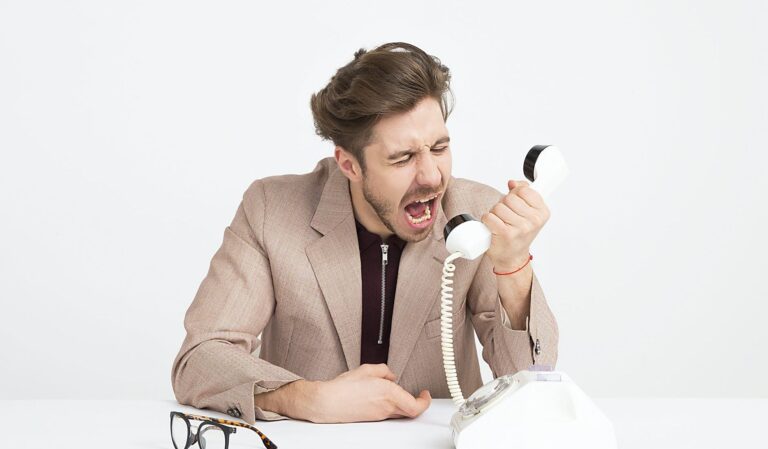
{"x": 289, "y": 269}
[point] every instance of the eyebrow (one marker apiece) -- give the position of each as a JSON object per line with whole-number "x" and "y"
{"x": 399, "y": 154}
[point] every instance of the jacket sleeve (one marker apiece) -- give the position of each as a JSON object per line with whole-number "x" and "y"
{"x": 215, "y": 367}
{"x": 508, "y": 350}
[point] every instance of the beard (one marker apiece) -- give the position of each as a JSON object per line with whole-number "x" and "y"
{"x": 387, "y": 214}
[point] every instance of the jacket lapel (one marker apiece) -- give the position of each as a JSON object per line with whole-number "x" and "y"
{"x": 418, "y": 291}
{"x": 335, "y": 259}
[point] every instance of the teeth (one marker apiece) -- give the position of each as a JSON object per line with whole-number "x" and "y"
{"x": 427, "y": 215}
{"x": 426, "y": 199}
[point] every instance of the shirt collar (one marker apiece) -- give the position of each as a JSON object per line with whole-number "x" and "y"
{"x": 366, "y": 238}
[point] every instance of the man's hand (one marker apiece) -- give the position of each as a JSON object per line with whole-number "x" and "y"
{"x": 367, "y": 393}
{"x": 514, "y": 222}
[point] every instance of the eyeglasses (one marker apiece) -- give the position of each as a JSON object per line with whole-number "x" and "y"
{"x": 210, "y": 434}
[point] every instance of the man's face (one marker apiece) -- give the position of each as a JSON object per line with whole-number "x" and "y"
{"x": 408, "y": 160}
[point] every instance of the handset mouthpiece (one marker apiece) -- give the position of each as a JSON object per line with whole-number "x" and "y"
{"x": 466, "y": 235}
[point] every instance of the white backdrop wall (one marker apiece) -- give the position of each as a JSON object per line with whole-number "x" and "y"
{"x": 129, "y": 131}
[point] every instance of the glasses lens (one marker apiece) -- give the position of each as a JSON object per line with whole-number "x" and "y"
{"x": 179, "y": 432}
{"x": 211, "y": 437}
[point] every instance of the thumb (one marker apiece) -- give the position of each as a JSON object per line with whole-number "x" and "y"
{"x": 512, "y": 184}
{"x": 424, "y": 399}
{"x": 383, "y": 371}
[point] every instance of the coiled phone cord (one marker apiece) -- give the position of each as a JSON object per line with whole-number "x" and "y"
{"x": 446, "y": 330}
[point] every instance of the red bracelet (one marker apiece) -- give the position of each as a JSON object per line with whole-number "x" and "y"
{"x": 530, "y": 258}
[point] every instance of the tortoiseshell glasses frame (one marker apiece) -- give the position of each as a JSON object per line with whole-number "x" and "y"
{"x": 222, "y": 424}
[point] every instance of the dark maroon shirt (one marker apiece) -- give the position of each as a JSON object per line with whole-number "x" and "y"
{"x": 371, "y": 255}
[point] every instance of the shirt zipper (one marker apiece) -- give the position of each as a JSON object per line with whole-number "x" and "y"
{"x": 384, "y": 261}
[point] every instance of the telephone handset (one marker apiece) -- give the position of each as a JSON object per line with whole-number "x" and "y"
{"x": 544, "y": 166}
{"x": 534, "y": 408}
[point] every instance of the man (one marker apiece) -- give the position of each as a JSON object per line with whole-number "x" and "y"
{"x": 340, "y": 269}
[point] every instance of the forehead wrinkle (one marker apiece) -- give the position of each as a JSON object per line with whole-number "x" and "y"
{"x": 413, "y": 125}
{"x": 443, "y": 135}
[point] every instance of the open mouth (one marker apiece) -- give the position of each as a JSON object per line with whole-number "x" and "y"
{"x": 420, "y": 213}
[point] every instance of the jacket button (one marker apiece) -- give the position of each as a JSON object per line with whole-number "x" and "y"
{"x": 537, "y": 347}
{"x": 230, "y": 412}
{"x": 236, "y": 412}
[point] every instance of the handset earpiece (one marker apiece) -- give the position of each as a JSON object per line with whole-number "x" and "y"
{"x": 545, "y": 167}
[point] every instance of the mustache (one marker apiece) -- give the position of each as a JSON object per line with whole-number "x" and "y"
{"x": 421, "y": 193}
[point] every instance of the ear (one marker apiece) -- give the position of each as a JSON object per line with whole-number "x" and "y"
{"x": 348, "y": 164}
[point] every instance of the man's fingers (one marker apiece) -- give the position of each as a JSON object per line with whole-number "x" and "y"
{"x": 523, "y": 190}
{"x": 377, "y": 370}
{"x": 409, "y": 405}
{"x": 422, "y": 402}
{"x": 514, "y": 215}
{"x": 495, "y": 224}
{"x": 512, "y": 184}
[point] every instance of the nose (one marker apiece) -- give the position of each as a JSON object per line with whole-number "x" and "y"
{"x": 429, "y": 172}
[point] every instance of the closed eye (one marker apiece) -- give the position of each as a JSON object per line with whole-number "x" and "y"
{"x": 403, "y": 162}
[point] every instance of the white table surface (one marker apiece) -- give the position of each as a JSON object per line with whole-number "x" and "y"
{"x": 639, "y": 423}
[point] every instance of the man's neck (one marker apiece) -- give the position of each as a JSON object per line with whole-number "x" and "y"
{"x": 365, "y": 214}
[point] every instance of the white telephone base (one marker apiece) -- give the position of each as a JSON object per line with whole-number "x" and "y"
{"x": 531, "y": 410}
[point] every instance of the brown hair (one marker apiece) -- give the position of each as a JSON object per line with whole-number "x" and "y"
{"x": 390, "y": 79}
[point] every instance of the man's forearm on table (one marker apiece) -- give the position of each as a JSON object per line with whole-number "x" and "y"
{"x": 289, "y": 400}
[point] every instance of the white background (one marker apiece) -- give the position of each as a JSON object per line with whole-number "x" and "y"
{"x": 129, "y": 132}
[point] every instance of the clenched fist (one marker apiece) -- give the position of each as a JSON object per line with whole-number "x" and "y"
{"x": 514, "y": 222}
